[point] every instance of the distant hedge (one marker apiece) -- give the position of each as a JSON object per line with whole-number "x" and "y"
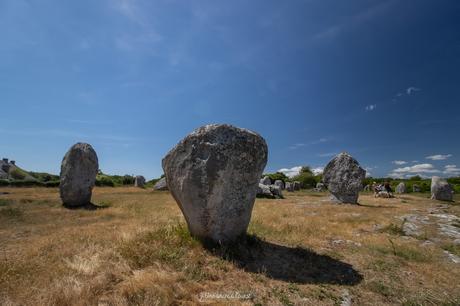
{"x": 27, "y": 183}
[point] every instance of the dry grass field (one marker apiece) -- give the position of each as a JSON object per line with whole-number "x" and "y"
{"x": 303, "y": 250}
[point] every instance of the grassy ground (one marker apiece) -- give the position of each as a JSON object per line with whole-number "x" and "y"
{"x": 303, "y": 250}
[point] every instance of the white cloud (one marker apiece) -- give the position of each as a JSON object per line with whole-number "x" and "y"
{"x": 317, "y": 170}
{"x": 451, "y": 170}
{"x": 419, "y": 168}
{"x": 399, "y": 162}
{"x": 291, "y": 172}
{"x": 412, "y": 89}
{"x": 439, "y": 157}
{"x": 371, "y": 107}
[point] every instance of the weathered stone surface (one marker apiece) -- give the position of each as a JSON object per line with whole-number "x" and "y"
{"x": 139, "y": 181}
{"x": 320, "y": 187}
{"x": 276, "y": 191}
{"x": 401, "y": 188}
{"x": 289, "y": 186}
{"x": 280, "y": 184}
{"x": 213, "y": 174}
{"x": 78, "y": 175}
{"x": 343, "y": 177}
{"x": 441, "y": 189}
{"x": 266, "y": 181}
{"x": 161, "y": 184}
{"x": 263, "y": 191}
{"x": 296, "y": 185}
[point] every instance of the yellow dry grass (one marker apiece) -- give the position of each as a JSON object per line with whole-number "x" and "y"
{"x": 303, "y": 250}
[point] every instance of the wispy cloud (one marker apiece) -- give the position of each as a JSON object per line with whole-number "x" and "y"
{"x": 411, "y": 90}
{"x": 418, "y": 169}
{"x": 439, "y": 156}
{"x": 399, "y": 162}
{"x": 371, "y": 107}
{"x": 451, "y": 170}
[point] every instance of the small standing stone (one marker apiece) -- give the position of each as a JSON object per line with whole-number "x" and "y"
{"x": 78, "y": 175}
{"x": 139, "y": 181}
{"x": 280, "y": 184}
{"x": 343, "y": 177}
{"x": 441, "y": 189}
{"x": 161, "y": 184}
{"x": 401, "y": 188}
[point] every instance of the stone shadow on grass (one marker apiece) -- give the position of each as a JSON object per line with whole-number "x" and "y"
{"x": 289, "y": 264}
{"x": 89, "y": 206}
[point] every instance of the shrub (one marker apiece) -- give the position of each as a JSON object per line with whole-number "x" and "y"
{"x": 104, "y": 181}
{"x": 17, "y": 174}
{"x": 276, "y": 176}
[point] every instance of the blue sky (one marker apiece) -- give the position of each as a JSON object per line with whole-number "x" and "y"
{"x": 379, "y": 79}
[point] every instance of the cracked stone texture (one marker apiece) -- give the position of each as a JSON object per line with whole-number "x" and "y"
{"x": 343, "y": 177}
{"x": 213, "y": 174}
{"x": 78, "y": 175}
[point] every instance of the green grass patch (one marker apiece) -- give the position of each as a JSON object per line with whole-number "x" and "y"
{"x": 4, "y": 202}
{"x": 395, "y": 229}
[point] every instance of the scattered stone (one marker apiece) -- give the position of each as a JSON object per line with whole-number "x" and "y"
{"x": 266, "y": 181}
{"x": 263, "y": 191}
{"x": 346, "y": 298}
{"x": 343, "y": 177}
{"x": 401, "y": 188}
{"x": 454, "y": 258}
{"x": 276, "y": 191}
{"x": 78, "y": 175}
{"x": 139, "y": 181}
{"x": 320, "y": 187}
{"x": 280, "y": 184}
{"x": 383, "y": 194}
{"x": 213, "y": 174}
{"x": 161, "y": 184}
{"x": 440, "y": 189}
{"x": 426, "y": 243}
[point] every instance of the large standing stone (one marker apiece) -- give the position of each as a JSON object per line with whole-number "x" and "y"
{"x": 161, "y": 184}
{"x": 343, "y": 177}
{"x": 139, "y": 181}
{"x": 78, "y": 175}
{"x": 280, "y": 184}
{"x": 266, "y": 181}
{"x": 213, "y": 174}
{"x": 401, "y": 188}
{"x": 441, "y": 189}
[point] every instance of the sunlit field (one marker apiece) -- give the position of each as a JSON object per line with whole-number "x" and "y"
{"x": 303, "y": 250}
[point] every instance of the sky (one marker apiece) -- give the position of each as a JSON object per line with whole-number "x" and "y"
{"x": 378, "y": 79}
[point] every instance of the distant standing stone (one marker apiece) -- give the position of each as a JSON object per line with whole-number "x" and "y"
{"x": 263, "y": 191}
{"x": 161, "y": 184}
{"x": 320, "y": 187}
{"x": 280, "y": 184}
{"x": 343, "y": 176}
{"x": 78, "y": 175}
{"x": 139, "y": 181}
{"x": 415, "y": 188}
{"x": 401, "y": 188}
{"x": 441, "y": 189}
{"x": 213, "y": 174}
{"x": 296, "y": 185}
{"x": 266, "y": 181}
{"x": 289, "y": 186}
